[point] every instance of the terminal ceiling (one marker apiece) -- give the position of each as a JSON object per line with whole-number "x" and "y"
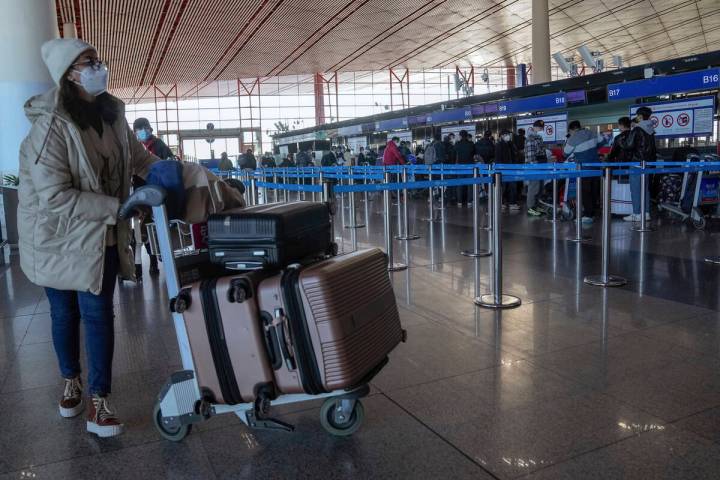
{"x": 164, "y": 42}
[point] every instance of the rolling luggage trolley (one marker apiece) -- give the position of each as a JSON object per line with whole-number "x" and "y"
{"x": 705, "y": 193}
{"x": 182, "y": 402}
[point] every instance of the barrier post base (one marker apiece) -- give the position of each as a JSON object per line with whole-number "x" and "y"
{"x": 362, "y": 225}
{"x": 601, "y": 281}
{"x": 639, "y": 228}
{"x": 407, "y": 237}
{"x": 713, "y": 260}
{"x": 397, "y": 267}
{"x": 506, "y": 301}
{"x": 476, "y": 254}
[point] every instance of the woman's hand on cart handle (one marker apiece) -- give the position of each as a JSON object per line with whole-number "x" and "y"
{"x": 147, "y": 196}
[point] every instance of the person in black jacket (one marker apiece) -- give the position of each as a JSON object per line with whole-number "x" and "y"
{"x": 485, "y": 147}
{"x": 639, "y": 144}
{"x": 617, "y": 153}
{"x": 361, "y": 156}
{"x": 519, "y": 142}
{"x": 303, "y": 159}
{"x": 464, "y": 153}
{"x": 330, "y": 159}
{"x": 247, "y": 160}
{"x": 505, "y": 152}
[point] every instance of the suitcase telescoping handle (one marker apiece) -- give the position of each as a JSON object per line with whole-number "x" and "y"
{"x": 280, "y": 333}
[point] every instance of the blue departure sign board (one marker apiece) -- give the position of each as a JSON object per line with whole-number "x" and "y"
{"x": 682, "y": 82}
{"x": 532, "y": 104}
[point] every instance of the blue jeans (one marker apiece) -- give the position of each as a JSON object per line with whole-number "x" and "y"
{"x": 66, "y": 309}
{"x": 635, "y": 188}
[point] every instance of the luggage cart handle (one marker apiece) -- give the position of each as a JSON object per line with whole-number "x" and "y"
{"x": 149, "y": 195}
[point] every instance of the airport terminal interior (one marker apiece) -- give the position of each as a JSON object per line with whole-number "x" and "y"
{"x": 372, "y": 239}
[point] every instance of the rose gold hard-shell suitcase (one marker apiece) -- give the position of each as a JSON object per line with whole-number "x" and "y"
{"x": 336, "y": 321}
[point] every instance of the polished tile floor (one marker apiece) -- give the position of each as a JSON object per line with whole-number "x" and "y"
{"x": 577, "y": 383}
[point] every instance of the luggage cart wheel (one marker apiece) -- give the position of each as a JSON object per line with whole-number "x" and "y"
{"x": 341, "y": 417}
{"x": 175, "y": 434}
{"x": 698, "y": 223}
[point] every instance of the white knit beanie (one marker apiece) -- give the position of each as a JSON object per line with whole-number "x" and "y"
{"x": 60, "y": 53}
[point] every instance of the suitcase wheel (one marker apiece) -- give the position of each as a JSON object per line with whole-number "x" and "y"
{"x": 180, "y": 303}
{"x": 337, "y": 421}
{"x": 175, "y": 434}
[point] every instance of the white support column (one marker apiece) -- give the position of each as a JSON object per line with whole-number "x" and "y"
{"x": 540, "y": 42}
{"x": 24, "y": 27}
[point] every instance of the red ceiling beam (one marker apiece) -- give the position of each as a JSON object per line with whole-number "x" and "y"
{"x": 247, "y": 40}
{"x": 173, "y": 29}
{"x": 156, "y": 35}
{"x": 399, "y": 25}
{"x": 348, "y": 15}
{"x": 237, "y": 37}
{"x": 78, "y": 23}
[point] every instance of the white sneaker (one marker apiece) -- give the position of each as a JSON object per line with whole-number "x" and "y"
{"x": 635, "y": 217}
{"x": 514, "y": 207}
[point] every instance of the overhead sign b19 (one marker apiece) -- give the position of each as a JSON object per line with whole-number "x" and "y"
{"x": 682, "y": 118}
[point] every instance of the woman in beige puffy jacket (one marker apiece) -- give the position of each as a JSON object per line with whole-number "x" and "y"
{"x": 75, "y": 169}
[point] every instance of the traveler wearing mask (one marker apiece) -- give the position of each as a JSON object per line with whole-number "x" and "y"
{"x": 640, "y": 146}
{"x": 485, "y": 147}
{"x": 144, "y": 133}
{"x": 247, "y": 160}
{"x": 464, "y": 152}
{"x": 267, "y": 161}
{"x": 303, "y": 159}
{"x": 582, "y": 147}
{"x": 535, "y": 153}
{"x": 404, "y": 150}
{"x": 392, "y": 154}
{"x": 361, "y": 156}
{"x": 617, "y": 154}
{"x": 449, "y": 144}
{"x": 75, "y": 169}
{"x": 505, "y": 152}
{"x": 225, "y": 163}
{"x": 330, "y": 158}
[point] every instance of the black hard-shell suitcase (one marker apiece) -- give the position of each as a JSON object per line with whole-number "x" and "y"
{"x": 270, "y": 236}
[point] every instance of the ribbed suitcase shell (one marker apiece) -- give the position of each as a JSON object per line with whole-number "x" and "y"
{"x": 272, "y": 236}
{"x": 351, "y": 317}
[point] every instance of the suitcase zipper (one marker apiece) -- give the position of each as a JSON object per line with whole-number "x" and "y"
{"x": 218, "y": 346}
{"x": 304, "y": 351}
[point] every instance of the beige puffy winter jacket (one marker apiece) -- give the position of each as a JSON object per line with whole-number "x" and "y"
{"x": 63, "y": 215}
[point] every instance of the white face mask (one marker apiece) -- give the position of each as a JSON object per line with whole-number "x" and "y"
{"x": 506, "y": 138}
{"x": 94, "y": 81}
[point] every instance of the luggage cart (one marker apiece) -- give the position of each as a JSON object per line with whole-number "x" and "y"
{"x": 703, "y": 189}
{"x": 182, "y": 402}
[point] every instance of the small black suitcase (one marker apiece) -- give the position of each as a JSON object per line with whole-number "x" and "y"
{"x": 270, "y": 236}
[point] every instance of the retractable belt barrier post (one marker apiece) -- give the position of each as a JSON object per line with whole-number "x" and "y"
{"x": 476, "y": 252}
{"x": 643, "y": 227}
{"x": 605, "y": 279}
{"x": 405, "y": 235}
{"x": 431, "y": 200}
{"x": 366, "y": 199}
{"x": 392, "y": 266}
{"x": 554, "y": 200}
{"x": 253, "y": 191}
{"x": 353, "y": 215}
{"x": 579, "y": 237}
{"x": 286, "y": 193}
{"x": 497, "y": 299}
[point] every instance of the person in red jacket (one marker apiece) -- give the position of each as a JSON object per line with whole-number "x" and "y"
{"x": 392, "y": 155}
